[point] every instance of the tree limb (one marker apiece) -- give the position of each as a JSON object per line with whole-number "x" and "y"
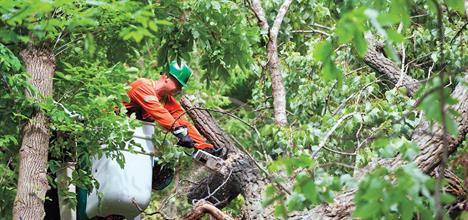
{"x": 377, "y": 61}
{"x": 202, "y": 207}
{"x": 257, "y": 8}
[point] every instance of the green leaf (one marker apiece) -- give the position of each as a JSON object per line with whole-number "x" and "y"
{"x": 323, "y": 51}
{"x": 360, "y": 44}
{"x": 452, "y": 125}
{"x": 388, "y": 19}
{"x": 152, "y": 25}
{"x": 345, "y": 30}
{"x": 430, "y": 106}
{"x": 331, "y": 72}
{"x": 367, "y": 211}
{"x": 395, "y": 36}
{"x": 295, "y": 202}
{"x": 310, "y": 191}
{"x": 163, "y": 22}
{"x": 280, "y": 210}
{"x": 456, "y": 5}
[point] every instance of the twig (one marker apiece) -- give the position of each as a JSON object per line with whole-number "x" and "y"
{"x": 58, "y": 38}
{"x": 311, "y": 31}
{"x": 459, "y": 32}
{"x": 321, "y": 26}
{"x": 336, "y": 163}
{"x": 149, "y": 214}
{"x": 203, "y": 207}
{"x": 402, "y": 69}
{"x": 325, "y": 139}
{"x": 328, "y": 98}
{"x": 339, "y": 152}
{"x": 218, "y": 188}
{"x": 352, "y": 96}
{"x": 359, "y": 130}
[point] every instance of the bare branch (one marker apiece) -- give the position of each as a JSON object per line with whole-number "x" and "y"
{"x": 203, "y": 207}
{"x": 279, "y": 19}
{"x": 257, "y": 8}
{"x": 311, "y": 31}
{"x": 325, "y": 139}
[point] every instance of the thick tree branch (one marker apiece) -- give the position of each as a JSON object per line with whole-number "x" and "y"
{"x": 377, "y": 61}
{"x": 246, "y": 178}
{"x": 279, "y": 19}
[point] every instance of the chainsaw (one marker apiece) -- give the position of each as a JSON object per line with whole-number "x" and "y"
{"x": 210, "y": 161}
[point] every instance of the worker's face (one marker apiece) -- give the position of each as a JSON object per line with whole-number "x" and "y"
{"x": 173, "y": 87}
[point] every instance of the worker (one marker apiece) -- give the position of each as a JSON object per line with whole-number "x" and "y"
{"x": 153, "y": 100}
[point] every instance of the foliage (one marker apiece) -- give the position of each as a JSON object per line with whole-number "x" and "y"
{"x": 102, "y": 45}
{"x": 13, "y": 83}
{"x": 402, "y": 193}
{"x": 312, "y": 186}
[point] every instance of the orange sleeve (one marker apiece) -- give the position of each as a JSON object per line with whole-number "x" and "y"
{"x": 176, "y": 110}
{"x": 145, "y": 96}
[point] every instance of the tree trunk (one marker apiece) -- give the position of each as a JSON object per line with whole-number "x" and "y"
{"x": 32, "y": 179}
{"x": 246, "y": 177}
{"x": 277, "y": 84}
{"x": 279, "y": 93}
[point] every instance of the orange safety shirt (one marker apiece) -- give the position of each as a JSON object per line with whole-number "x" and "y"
{"x": 164, "y": 110}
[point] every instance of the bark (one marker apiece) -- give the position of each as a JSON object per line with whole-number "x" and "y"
{"x": 279, "y": 92}
{"x": 32, "y": 179}
{"x": 387, "y": 68}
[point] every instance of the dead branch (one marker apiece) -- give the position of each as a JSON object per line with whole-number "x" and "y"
{"x": 203, "y": 207}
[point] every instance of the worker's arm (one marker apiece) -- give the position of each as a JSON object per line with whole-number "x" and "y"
{"x": 178, "y": 113}
{"x": 145, "y": 96}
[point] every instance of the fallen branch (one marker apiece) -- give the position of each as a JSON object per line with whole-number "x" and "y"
{"x": 202, "y": 207}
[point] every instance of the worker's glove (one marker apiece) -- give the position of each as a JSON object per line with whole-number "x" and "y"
{"x": 185, "y": 140}
{"x": 180, "y": 131}
{"x": 216, "y": 151}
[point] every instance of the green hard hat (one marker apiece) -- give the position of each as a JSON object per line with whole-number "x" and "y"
{"x": 180, "y": 72}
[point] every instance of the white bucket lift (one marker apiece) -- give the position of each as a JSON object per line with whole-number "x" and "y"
{"x": 123, "y": 189}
